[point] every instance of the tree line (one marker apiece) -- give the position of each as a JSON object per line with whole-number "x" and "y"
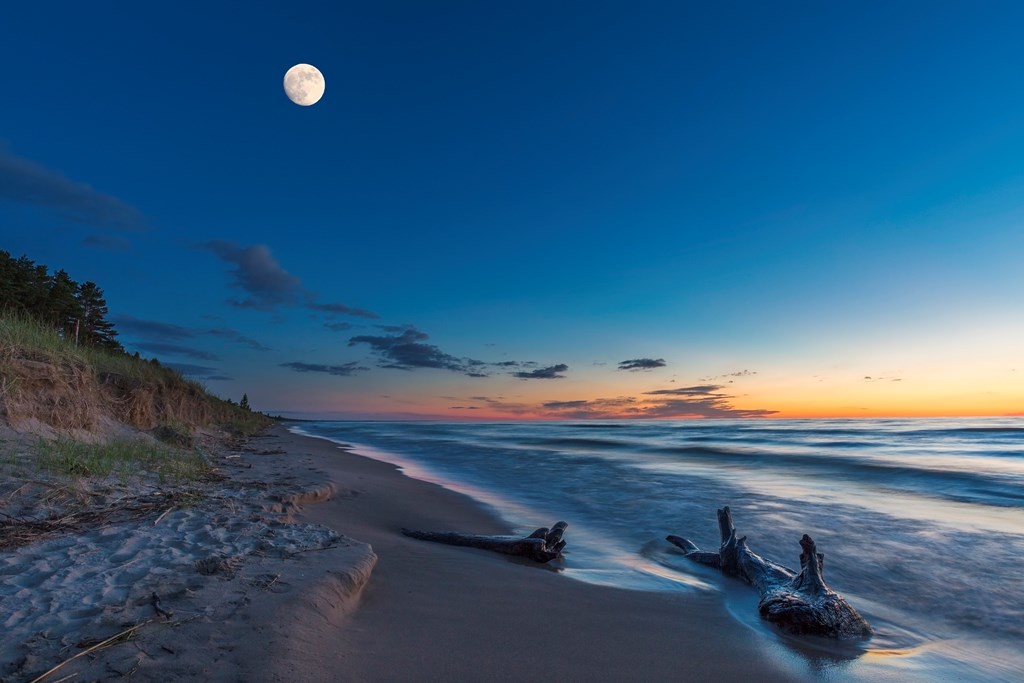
{"x": 75, "y": 310}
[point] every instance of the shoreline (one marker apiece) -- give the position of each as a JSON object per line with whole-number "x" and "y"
{"x": 436, "y": 612}
{"x": 314, "y": 582}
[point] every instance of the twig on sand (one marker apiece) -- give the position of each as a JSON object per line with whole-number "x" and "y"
{"x": 157, "y": 520}
{"x": 109, "y": 641}
{"x": 312, "y": 550}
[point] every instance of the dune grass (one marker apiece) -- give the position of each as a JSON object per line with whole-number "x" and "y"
{"x": 24, "y": 337}
{"x": 123, "y": 459}
{"x": 47, "y": 377}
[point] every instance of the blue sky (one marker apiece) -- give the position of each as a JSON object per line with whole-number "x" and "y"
{"x": 808, "y": 193}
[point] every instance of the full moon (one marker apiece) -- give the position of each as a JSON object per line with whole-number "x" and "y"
{"x": 304, "y": 84}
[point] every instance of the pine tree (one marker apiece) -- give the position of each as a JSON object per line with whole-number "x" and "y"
{"x": 8, "y": 281}
{"x": 96, "y": 329}
{"x": 244, "y": 403}
{"x": 23, "y": 286}
{"x": 63, "y": 310}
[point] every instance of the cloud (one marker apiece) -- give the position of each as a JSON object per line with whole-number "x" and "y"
{"x": 711, "y": 407}
{"x": 559, "y": 405}
{"x": 704, "y": 400}
{"x": 407, "y": 351}
{"x": 198, "y": 371}
{"x": 23, "y": 181}
{"x": 175, "y": 350}
{"x": 268, "y": 285}
{"x": 237, "y": 337}
{"x": 345, "y": 370}
{"x": 700, "y": 390}
{"x": 153, "y": 331}
{"x": 594, "y": 408}
{"x": 339, "y": 327}
{"x": 642, "y": 364}
{"x": 550, "y": 372}
{"x": 258, "y": 274}
{"x": 108, "y": 242}
{"x": 151, "y": 328}
{"x": 341, "y": 309}
{"x": 500, "y": 404}
{"x": 740, "y": 373}
{"x": 707, "y": 401}
{"x": 686, "y": 402}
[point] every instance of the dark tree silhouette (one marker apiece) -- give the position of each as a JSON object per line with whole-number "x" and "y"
{"x": 56, "y": 300}
{"x": 244, "y": 403}
{"x": 63, "y": 310}
{"x": 96, "y": 329}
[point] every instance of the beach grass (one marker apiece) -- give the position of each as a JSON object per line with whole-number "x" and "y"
{"x": 123, "y": 459}
{"x": 46, "y": 377}
{"x": 25, "y": 337}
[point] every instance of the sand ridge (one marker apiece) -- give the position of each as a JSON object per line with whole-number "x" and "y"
{"x": 234, "y": 557}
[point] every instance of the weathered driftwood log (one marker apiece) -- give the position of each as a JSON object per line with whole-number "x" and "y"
{"x": 543, "y": 545}
{"x": 800, "y": 602}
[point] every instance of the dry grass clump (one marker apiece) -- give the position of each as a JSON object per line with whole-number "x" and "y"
{"x": 42, "y": 377}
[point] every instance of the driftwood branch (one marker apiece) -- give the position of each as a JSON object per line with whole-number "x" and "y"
{"x": 800, "y": 602}
{"x": 543, "y": 545}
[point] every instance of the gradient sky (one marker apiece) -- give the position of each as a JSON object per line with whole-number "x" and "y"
{"x": 537, "y": 209}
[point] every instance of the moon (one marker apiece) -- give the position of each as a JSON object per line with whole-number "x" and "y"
{"x": 304, "y": 84}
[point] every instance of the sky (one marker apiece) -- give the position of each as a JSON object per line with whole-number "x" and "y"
{"x": 537, "y": 210}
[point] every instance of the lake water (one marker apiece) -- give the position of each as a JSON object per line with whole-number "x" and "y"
{"x": 921, "y": 521}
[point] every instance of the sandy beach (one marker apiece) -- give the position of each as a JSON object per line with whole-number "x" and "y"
{"x": 307, "y": 578}
{"x": 434, "y": 612}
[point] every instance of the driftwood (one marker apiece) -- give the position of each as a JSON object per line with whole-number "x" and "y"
{"x": 543, "y": 545}
{"x": 799, "y": 602}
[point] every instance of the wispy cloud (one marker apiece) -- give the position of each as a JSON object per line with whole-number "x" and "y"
{"x": 344, "y": 370}
{"x": 621, "y": 406}
{"x": 705, "y": 400}
{"x": 175, "y": 350}
{"x": 258, "y": 274}
{"x": 339, "y": 326}
{"x": 108, "y": 242}
{"x": 198, "y": 371}
{"x": 237, "y": 338}
{"x": 407, "y": 350}
{"x": 340, "y": 309}
{"x": 699, "y": 401}
{"x": 549, "y": 373}
{"x": 267, "y": 285}
{"x": 728, "y": 375}
{"x": 154, "y": 331}
{"x": 503, "y": 405}
{"x": 23, "y": 181}
{"x": 637, "y": 364}
{"x": 562, "y": 405}
{"x": 151, "y": 328}
{"x": 699, "y": 390}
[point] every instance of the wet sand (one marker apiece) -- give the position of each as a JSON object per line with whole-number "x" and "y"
{"x": 434, "y": 612}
